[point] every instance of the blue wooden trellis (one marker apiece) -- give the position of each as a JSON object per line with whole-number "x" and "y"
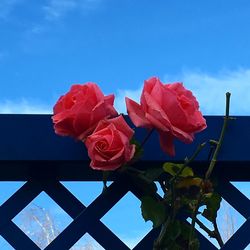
{"x": 30, "y": 151}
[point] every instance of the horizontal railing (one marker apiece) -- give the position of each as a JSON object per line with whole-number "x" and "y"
{"x": 29, "y": 144}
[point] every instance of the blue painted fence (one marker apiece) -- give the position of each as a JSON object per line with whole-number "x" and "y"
{"x": 30, "y": 151}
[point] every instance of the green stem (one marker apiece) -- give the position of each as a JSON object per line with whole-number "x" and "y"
{"x": 197, "y": 151}
{"x": 171, "y": 182}
{"x": 217, "y": 234}
{"x": 217, "y": 149}
{"x": 170, "y": 219}
{"x": 213, "y": 234}
{"x": 162, "y": 235}
{"x": 203, "y": 227}
{"x": 210, "y": 170}
{"x": 194, "y": 220}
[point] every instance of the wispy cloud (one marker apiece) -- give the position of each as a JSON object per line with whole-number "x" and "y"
{"x": 209, "y": 90}
{"x": 120, "y": 98}
{"x": 23, "y": 107}
{"x": 56, "y": 9}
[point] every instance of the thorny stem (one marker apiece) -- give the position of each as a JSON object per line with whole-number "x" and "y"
{"x": 160, "y": 239}
{"x": 208, "y": 174}
{"x": 197, "y": 151}
{"x": 217, "y": 233}
{"x": 194, "y": 219}
{"x": 212, "y": 234}
{"x": 203, "y": 227}
{"x": 218, "y": 146}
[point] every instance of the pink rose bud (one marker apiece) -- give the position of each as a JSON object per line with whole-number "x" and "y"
{"x": 77, "y": 112}
{"x": 169, "y": 108}
{"x": 109, "y": 145}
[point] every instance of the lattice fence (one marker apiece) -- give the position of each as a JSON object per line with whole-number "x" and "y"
{"x": 43, "y": 160}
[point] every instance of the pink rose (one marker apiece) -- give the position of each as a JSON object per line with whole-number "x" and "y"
{"x": 169, "y": 108}
{"x": 77, "y": 112}
{"x": 109, "y": 145}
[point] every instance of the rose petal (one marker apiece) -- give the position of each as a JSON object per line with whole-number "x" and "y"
{"x": 96, "y": 165}
{"x": 155, "y": 110}
{"x": 87, "y": 104}
{"x": 167, "y": 143}
{"x": 173, "y": 109}
{"x": 122, "y": 126}
{"x": 182, "y": 135}
{"x": 136, "y": 114}
{"x": 148, "y": 87}
{"x": 64, "y": 127}
{"x": 129, "y": 153}
{"x": 109, "y": 102}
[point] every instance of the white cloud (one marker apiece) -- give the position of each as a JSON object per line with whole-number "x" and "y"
{"x": 23, "y": 107}
{"x": 56, "y": 9}
{"x": 120, "y": 98}
{"x": 209, "y": 90}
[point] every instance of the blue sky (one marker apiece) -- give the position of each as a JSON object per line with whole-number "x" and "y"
{"x": 45, "y": 46}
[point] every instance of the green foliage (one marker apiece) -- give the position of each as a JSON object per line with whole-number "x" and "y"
{"x": 188, "y": 182}
{"x": 212, "y": 203}
{"x": 153, "y": 174}
{"x": 144, "y": 185}
{"x": 173, "y": 231}
{"x": 153, "y": 210}
{"x": 177, "y": 237}
{"x": 194, "y": 244}
{"x": 180, "y": 169}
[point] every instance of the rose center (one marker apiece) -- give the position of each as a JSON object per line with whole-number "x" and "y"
{"x": 102, "y": 145}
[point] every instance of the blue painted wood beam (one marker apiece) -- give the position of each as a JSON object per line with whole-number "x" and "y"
{"x": 29, "y": 148}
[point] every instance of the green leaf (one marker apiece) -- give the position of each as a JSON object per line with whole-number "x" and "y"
{"x": 188, "y": 182}
{"x": 153, "y": 174}
{"x": 174, "y": 230}
{"x": 185, "y": 230}
{"x": 153, "y": 210}
{"x": 174, "y": 168}
{"x": 184, "y": 238}
{"x": 144, "y": 185}
{"x": 194, "y": 244}
{"x": 212, "y": 206}
{"x": 177, "y": 237}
